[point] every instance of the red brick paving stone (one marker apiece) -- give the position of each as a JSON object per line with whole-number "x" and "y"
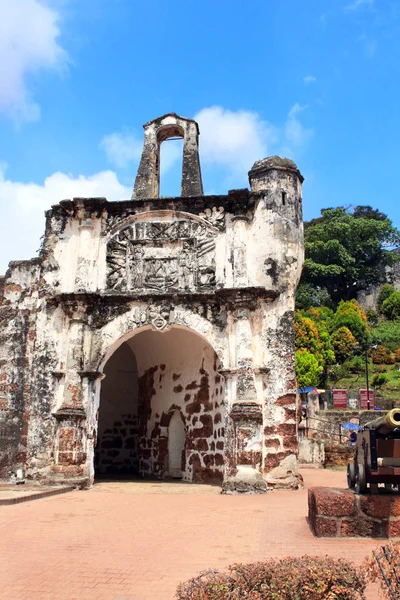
{"x": 101, "y": 545}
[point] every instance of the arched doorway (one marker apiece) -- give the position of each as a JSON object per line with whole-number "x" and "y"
{"x": 161, "y": 411}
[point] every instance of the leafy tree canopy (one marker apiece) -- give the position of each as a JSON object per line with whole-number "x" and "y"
{"x": 351, "y": 315}
{"x": 385, "y": 291}
{"x": 308, "y": 369}
{"x": 391, "y": 306}
{"x": 347, "y": 250}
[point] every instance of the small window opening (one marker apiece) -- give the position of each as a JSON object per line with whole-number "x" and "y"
{"x": 283, "y": 198}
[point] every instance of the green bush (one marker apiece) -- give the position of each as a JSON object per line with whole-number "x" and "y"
{"x": 357, "y": 364}
{"x": 387, "y": 334}
{"x": 343, "y": 342}
{"x": 379, "y": 380}
{"x": 372, "y": 317}
{"x": 384, "y": 293}
{"x": 305, "y": 578}
{"x": 351, "y": 315}
{"x": 391, "y": 306}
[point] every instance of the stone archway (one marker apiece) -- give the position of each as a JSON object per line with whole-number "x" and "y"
{"x": 162, "y": 411}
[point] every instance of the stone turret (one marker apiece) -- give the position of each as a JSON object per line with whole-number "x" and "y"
{"x": 281, "y": 181}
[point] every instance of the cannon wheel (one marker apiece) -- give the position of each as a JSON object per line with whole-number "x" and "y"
{"x": 351, "y": 475}
{"x": 361, "y": 479}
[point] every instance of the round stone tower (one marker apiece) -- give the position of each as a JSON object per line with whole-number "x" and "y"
{"x": 281, "y": 181}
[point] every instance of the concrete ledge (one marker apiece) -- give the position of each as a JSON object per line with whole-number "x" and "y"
{"x": 336, "y": 512}
{"x": 16, "y": 497}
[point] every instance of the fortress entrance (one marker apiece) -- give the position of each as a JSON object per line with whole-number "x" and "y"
{"x": 161, "y": 411}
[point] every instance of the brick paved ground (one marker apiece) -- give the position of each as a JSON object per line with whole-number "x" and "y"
{"x": 137, "y": 541}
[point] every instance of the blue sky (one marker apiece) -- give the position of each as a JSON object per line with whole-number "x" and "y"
{"x": 317, "y": 81}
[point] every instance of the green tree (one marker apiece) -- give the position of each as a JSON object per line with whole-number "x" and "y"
{"x": 346, "y": 251}
{"x": 308, "y": 369}
{"x": 343, "y": 342}
{"x": 306, "y": 334}
{"x": 385, "y": 291}
{"x": 391, "y": 306}
{"x": 308, "y": 295}
{"x": 350, "y": 314}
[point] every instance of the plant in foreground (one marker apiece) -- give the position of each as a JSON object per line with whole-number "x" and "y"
{"x": 304, "y": 578}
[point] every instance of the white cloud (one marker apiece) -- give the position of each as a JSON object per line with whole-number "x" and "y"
{"x": 122, "y": 149}
{"x": 28, "y": 43}
{"x": 309, "y": 79}
{"x": 357, "y": 4}
{"x": 295, "y": 133}
{"x": 234, "y": 139}
{"x": 22, "y": 207}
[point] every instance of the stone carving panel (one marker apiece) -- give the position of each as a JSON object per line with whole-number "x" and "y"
{"x": 162, "y": 257}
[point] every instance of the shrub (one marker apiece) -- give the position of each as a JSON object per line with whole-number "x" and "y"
{"x": 372, "y": 317}
{"x": 351, "y": 315}
{"x": 357, "y": 365}
{"x": 387, "y": 334}
{"x": 384, "y": 293}
{"x": 305, "y": 578}
{"x": 382, "y": 356}
{"x": 391, "y": 307}
{"x": 379, "y": 380}
{"x": 343, "y": 342}
{"x": 397, "y": 356}
{"x": 308, "y": 369}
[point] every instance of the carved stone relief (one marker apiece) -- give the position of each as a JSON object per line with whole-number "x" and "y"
{"x": 162, "y": 257}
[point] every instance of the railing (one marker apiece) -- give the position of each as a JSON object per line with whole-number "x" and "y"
{"x": 327, "y": 433}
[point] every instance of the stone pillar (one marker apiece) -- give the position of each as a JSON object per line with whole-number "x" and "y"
{"x": 83, "y": 276}
{"x": 192, "y": 184}
{"x": 70, "y": 443}
{"x": 147, "y": 181}
{"x": 244, "y": 427}
{"x": 240, "y": 278}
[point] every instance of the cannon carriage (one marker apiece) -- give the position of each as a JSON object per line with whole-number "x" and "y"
{"x": 376, "y": 455}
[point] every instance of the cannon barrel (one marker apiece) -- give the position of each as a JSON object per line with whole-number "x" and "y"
{"x": 386, "y": 424}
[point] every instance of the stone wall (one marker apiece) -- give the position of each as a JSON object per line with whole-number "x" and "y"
{"x": 325, "y": 426}
{"x": 337, "y": 455}
{"x": 311, "y": 452}
{"x": 342, "y": 513}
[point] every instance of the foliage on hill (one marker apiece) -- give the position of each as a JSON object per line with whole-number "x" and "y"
{"x": 347, "y": 251}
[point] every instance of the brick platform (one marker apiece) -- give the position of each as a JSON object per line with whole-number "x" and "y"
{"x": 335, "y": 512}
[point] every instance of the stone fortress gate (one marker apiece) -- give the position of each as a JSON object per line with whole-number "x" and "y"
{"x": 154, "y": 336}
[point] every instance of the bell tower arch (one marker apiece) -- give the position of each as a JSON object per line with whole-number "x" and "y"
{"x": 147, "y": 183}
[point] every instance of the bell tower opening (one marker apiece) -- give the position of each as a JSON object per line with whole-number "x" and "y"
{"x": 171, "y": 162}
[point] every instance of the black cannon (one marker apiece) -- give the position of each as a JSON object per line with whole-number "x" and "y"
{"x": 376, "y": 454}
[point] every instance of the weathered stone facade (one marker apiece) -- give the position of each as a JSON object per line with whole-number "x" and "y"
{"x": 155, "y": 336}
